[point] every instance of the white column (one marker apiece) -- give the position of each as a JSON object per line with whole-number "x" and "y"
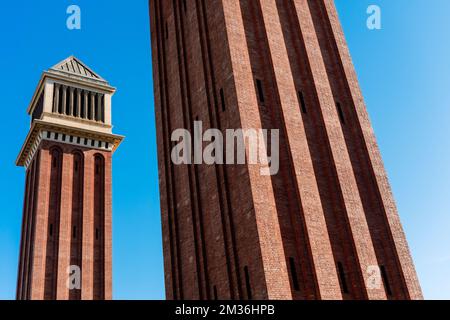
{"x": 85, "y": 107}
{"x": 64, "y": 99}
{"x": 92, "y": 115}
{"x": 98, "y": 108}
{"x": 71, "y": 98}
{"x": 56, "y": 98}
{"x": 78, "y": 106}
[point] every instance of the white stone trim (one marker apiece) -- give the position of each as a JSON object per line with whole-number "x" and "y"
{"x": 81, "y": 142}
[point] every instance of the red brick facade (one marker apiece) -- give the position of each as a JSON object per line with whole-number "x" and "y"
{"x": 313, "y": 230}
{"x": 67, "y": 221}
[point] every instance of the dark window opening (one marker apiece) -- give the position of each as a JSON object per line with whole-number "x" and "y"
{"x": 78, "y": 140}
{"x": 54, "y": 162}
{"x": 342, "y": 278}
{"x": 75, "y": 103}
{"x": 51, "y": 230}
{"x": 92, "y": 143}
{"x": 39, "y": 107}
{"x": 247, "y": 283}
{"x": 259, "y": 86}
{"x": 90, "y": 106}
{"x": 97, "y": 108}
{"x": 56, "y": 136}
{"x": 97, "y": 234}
{"x": 106, "y": 145}
{"x": 222, "y": 99}
{"x": 74, "y": 232}
{"x": 83, "y": 105}
{"x": 71, "y": 139}
{"x": 48, "y": 134}
{"x": 102, "y": 109}
{"x": 340, "y": 112}
{"x": 60, "y": 100}
{"x": 76, "y": 165}
{"x": 387, "y": 285}
{"x": 85, "y": 141}
{"x": 294, "y": 274}
{"x": 63, "y": 137}
{"x": 184, "y": 5}
{"x": 302, "y": 102}
{"x": 97, "y": 169}
{"x": 67, "y": 111}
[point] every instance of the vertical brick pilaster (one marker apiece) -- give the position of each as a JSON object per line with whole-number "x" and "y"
{"x": 319, "y": 242}
{"x": 87, "y": 267}
{"x": 108, "y": 228}
{"x": 65, "y": 234}
{"x": 39, "y": 245}
{"x": 354, "y": 210}
{"x": 397, "y": 235}
{"x": 270, "y": 242}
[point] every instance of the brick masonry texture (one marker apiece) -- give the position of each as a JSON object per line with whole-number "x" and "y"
{"x": 67, "y": 221}
{"x": 314, "y": 230}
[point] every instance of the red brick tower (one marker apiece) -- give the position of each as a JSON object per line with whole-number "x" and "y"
{"x": 326, "y": 226}
{"x": 66, "y": 242}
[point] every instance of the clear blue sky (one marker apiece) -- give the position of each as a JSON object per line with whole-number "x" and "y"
{"x": 404, "y": 71}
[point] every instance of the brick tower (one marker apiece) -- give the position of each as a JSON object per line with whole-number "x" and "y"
{"x": 326, "y": 226}
{"x": 66, "y": 242}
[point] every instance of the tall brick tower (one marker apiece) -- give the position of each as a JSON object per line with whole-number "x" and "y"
{"x": 326, "y": 226}
{"x": 66, "y": 228}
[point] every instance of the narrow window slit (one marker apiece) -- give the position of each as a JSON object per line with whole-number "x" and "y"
{"x": 342, "y": 278}
{"x": 302, "y": 102}
{"x": 387, "y": 285}
{"x": 259, "y": 87}
{"x": 340, "y": 112}
{"x": 294, "y": 274}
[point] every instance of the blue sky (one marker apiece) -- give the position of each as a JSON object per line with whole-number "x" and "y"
{"x": 404, "y": 72}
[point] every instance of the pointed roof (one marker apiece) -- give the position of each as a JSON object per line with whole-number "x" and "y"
{"x": 74, "y": 66}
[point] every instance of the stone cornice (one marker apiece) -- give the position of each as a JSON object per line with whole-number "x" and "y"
{"x": 38, "y": 126}
{"x": 77, "y": 120}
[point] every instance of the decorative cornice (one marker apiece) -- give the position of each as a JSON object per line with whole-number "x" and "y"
{"x": 78, "y": 120}
{"x": 41, "y": 130}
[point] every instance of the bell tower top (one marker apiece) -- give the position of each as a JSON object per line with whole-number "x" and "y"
{"x": 72, "y": 102}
